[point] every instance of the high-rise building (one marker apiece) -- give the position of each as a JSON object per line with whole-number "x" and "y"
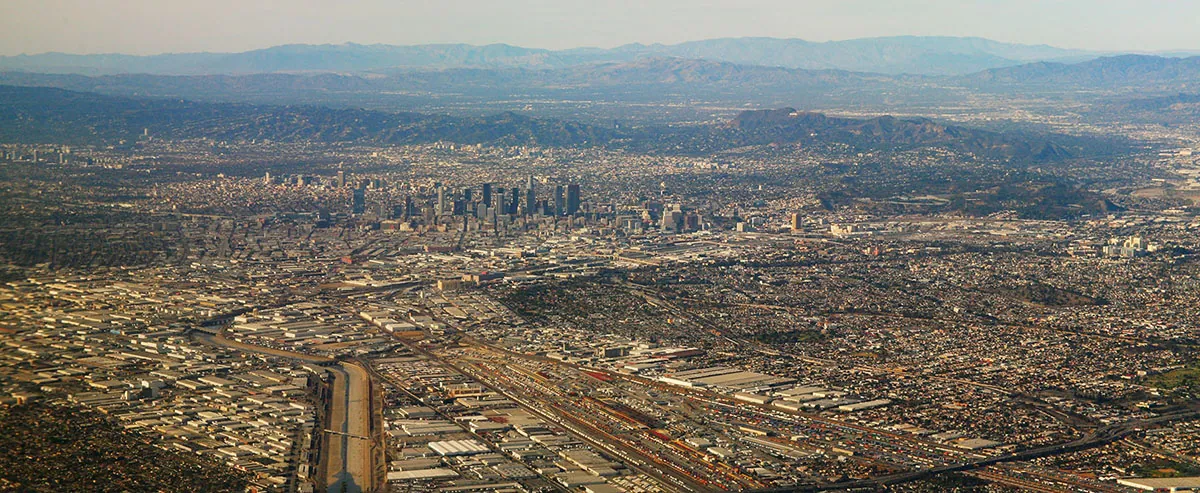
{"x": 672, "y": 219}
{"x": 573, "y": 199}
{"x": 468, "y": 195}
{"x": 359, "y": 204}
{"x": 530, "y": 197}
{"x": 670, "y": 222}
{"x": 267, "y": 178}
{"x": 797, "y": 222}
{"x": 442, "y": 204}
{"x": 341, "y": 179}
{"x": 487, "y": 194}
{"x": 516, "y": 201}
{"x": 560, "y": 204}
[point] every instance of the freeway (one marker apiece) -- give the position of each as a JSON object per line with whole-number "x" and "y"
{"x": 1046, "y": 481}
{"x": 221, "y": 340}
{"x": 1097, "y": 438}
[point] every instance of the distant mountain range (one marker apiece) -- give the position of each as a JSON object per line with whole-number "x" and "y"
{"x": 649, "y": 79}
{"x": 34, "y": 114}
{"x": 890, "y": 55}
{"x": 657, "y": 80}
{"x": 1116, "y": 72}
{"x": 928, "y": 55}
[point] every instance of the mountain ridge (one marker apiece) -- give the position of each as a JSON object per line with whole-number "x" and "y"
{"x": 1121, "y": 71}
{"x": 931, "y": 55}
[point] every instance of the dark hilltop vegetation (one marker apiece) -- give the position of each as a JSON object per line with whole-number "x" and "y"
{"x": 53, "y": 449}
{"x": 45, "y": 114}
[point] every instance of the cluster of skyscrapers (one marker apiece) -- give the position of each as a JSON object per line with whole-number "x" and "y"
{"x": 516, "y": 201}
{"x": 488, "y": 202}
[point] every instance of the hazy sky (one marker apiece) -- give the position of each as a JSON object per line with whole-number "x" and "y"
{"x": 158, "y": 26}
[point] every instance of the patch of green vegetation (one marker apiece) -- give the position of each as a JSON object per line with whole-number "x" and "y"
{"x": 1185, "y": 379}
{"x": 1047, "y": 295}
{"x": 1165, "y": 468}
{"x": 948, "y": 483}
{"x": 790, "y": 337}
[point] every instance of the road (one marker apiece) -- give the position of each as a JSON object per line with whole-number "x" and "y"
{"x": 221, "y": 340}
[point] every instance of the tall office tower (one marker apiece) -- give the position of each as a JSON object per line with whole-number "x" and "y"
{"x": 468, "y": 195}
{"x": 359, "y": 205}
{"x": 410, "y": 209}
{"x": 515, "y": 205}
{"x": 487, "y": 194}
{"x": 797, "y": 222}
{"x": 530, "y": 197}
{"x": 442, "y": 205}
{"x": 267, "y": 178}
{"x": 672, "y": 220}
{"x": 573, "y": 200}
{"x": 559, "y": 203}
{"x": 341, "y": 179}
